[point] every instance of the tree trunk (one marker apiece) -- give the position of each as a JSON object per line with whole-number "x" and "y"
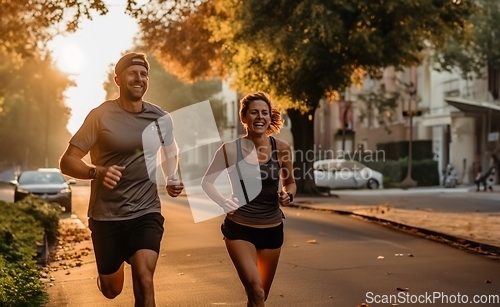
{"x": 303, "y": 143}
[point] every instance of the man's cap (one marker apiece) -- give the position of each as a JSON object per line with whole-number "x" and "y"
{"x": 129, "y": 59}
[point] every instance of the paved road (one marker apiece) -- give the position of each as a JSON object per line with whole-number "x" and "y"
{"x": 341, "y": 268}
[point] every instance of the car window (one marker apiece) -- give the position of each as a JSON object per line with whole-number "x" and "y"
{"x": 347, "y": 165}
{"x": 41, "y": 178}
{"x": 359, "y": 166}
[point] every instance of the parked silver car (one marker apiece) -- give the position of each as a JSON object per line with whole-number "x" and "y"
{"x": 343, "y": 174}
{"x": 49, "y": 184}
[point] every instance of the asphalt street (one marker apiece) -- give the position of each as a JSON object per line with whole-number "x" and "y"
{"x": 327, "y": 260}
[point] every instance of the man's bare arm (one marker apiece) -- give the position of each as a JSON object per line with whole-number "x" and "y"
{"x": 72, "y": 164}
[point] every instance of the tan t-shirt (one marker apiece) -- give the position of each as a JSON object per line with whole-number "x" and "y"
{"x": 114, "y": 136}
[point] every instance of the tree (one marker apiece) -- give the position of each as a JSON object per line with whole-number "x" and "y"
{"x": 33, "y": 116}
{"x": 303, "y": 50}
{"x": 479, "y": 50}
{"x": 379, "y": 106}
{"x": 27, "y": 24}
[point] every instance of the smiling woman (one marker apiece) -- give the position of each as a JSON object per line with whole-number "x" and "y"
{"x": 70, "y": 59}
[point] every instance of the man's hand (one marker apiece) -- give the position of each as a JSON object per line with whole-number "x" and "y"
{"x": 174, "y": 187}
{"x": 110, "y": 175}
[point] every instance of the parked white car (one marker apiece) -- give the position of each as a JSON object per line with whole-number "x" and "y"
{"x": 343, "y": 174}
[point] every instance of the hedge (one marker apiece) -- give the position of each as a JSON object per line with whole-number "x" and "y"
{"x": 23, "y": 226}
{"x": 421, "y": 150}
{"x": 425, "y": 172}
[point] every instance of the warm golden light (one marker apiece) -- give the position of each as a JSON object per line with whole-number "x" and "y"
{"x": 70, "y": 59}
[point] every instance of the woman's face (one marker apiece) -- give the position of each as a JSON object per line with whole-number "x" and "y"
{"x": 258, "y": 117}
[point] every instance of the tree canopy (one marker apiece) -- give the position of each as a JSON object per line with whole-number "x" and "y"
{"x": 27, "y": 24}
{"x": 301, "y": 50}
{"x": 33, "y": 115}
{"x": 297, "y": 50}
{"x": 478, "y": 50}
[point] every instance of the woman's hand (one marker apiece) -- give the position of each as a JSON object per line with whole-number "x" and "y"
{"x": 284, "y": 198}
{"x": 230, "y": 205}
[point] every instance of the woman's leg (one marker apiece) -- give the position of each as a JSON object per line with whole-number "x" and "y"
{"x": 244, "y": 257}
{"x": 267, "y": 262}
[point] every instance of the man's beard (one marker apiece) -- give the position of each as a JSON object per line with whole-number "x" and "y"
{"x": 129, "y": 95}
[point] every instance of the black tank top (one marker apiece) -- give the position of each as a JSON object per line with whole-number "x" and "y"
{"x": 260, "y": 184}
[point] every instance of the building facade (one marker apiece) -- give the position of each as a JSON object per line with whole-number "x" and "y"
{"x": 461, "y": 117}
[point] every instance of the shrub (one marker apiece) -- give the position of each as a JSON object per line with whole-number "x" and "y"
{"x": 23, "y": 226}
{"x": 48, "y": 214}
{"x": 425, "y": 172}
{"x": 20, "y": 284}
{"x": 421, "y": 150}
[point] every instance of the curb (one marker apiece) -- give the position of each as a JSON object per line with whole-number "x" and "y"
{"x": 481, "y": 248}
{"x": 75, "y": 219}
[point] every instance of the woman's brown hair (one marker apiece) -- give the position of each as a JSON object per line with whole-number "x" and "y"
{"x": 276, "y": 121}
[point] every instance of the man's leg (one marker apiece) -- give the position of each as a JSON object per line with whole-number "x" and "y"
{"x": 144, "y": 246}
{"x": 108, "y": 249}
{"x": 143, "y": 264}
{"x": 111, "y": 285}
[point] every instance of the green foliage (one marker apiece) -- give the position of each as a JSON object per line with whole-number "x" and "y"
{"x": 22, "y": 228}
{"x": 33, "y": 116}
{"x": 48, "y": 214}
{"x": 425, "y": 172}
{"x": 300, "y": 51}
{"x": 378, "y": 105}
{"x": 421, "y": 150}
{"x": 18, "y": 233}
{"x": 20, "y": 284}
{"x": 28, "y": 24}
{"x": 480, "y": 48}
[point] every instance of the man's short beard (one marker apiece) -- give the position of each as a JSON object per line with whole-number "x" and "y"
{"x": 129, "y": 96}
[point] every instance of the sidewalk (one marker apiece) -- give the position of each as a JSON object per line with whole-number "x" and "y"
{"x": 459, "y": 217}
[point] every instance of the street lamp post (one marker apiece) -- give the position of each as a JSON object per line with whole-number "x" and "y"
{"x": 408, "y": 182}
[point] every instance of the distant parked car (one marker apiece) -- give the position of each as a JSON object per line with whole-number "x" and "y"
{"x": 343, "y": 174}
{"x": 48, "y": 183}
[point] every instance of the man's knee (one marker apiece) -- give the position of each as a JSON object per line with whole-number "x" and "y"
{"x": 110, "y": 290}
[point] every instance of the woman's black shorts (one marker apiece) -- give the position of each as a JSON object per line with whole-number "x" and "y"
{"x": 262, "y": 238}
{"x": 116, "y": 241}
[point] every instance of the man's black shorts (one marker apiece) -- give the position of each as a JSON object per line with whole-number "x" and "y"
{"x": 261, "y": 238}
{"x": 116, "y": 241}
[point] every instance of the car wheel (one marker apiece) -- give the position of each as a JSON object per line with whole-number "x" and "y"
{"x": 372, "y": 184}
{"x": 324, "y": 190}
